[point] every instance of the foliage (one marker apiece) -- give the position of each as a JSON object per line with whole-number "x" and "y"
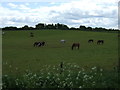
{"x": 70, "y": 76}
{"x": 41, "y": 26}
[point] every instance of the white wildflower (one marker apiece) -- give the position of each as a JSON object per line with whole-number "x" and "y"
{"x": 93, "y": 68}
{"x": 75, "y": 65}
{"x": 90, "y": 77}
{"x": 57, "y": 75}
{"x": 101, "y": 69}
{"x": 85, "y": 76}
{"x": 54, "y": 68}
{"x": 64, "y": 84}
{"x": 35, "y": 75}
{"x": 58, "y": 79}
{"x": 48, "y": 73}
{"x": 69, "y": 71}
{"x": 80, "y": 86}
{"x": 10, "y": 66}
{"x": 47, "y": 77}
{"x": 79, "y": 72}
{"x": 66, "y": 79}
{"x": 77, "y": 78}
{"x": 93, "y": 83}
{"x": 68, "y": 75}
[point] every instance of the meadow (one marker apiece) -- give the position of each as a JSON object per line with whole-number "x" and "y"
{"x": 19, "y": 54}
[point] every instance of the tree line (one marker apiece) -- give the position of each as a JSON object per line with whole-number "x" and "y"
{"x": 58, "y": 26}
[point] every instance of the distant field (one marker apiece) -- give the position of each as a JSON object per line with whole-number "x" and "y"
{"x": 20, "y": 55}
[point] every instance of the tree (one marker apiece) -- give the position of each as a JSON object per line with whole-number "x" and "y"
{"x": 50, "y": 26}
{"x": 89, "y": 28}
{"x": 40, "y": 26}
{"x": 25, "y": 27}
{"x": 82, "y": 27}
{"x": 10, "y": 28}
{"x": 61, "y": 26}
{"x": 73, "y": 28}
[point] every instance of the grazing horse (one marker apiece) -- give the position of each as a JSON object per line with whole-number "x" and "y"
{"x": 63, "y": 41}
{"x": 100, "y": 42}
{"x": 75, "y": 45}
{"x": 42, "y": 43}
{"x": 35, "y": 44}
{"x": 39, "y": 44}
{"x": 91, "y": 40}
{"x": 31, "y": 34}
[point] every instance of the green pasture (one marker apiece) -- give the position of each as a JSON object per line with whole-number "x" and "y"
{"x": 18, "y": 53}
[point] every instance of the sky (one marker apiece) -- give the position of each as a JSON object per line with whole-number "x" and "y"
{"x": 73, "y": 13}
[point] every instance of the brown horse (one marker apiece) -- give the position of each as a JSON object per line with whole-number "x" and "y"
{"x": 75, "y": 45}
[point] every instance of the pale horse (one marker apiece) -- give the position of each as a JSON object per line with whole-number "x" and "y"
{"x": 62, "y": 41}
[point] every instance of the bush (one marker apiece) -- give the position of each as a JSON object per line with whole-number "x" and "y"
{"x": 70, "y": 76}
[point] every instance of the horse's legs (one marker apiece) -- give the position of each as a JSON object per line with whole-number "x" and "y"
{"x": 78, "y": 47}
{"x": 102, "y": 42}
{"x": 72, "y": 47}
{"x": 98, "y": 43}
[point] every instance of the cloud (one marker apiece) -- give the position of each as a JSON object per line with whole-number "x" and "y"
{"x": 95, "y": 13}
{"x": 86, "y": 13}
{"x": 12, "y": 5}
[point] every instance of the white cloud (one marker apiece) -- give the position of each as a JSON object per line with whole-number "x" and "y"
{"x": 95, "y": 13}
{"x": 24, "y": 7}
{"x": 12, "y": 5}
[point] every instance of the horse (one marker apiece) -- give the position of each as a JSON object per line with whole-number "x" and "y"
{"x": 100, "y": 42}
{"x": 31, "y": 34}
{"x": 75, "y": 45}
{"x": 91, "y": 40}
{"x": 39, "y": 44}
{"x": 63, "y": 41}
{"x": 42, "y": 43}
{"x": 35, "y": 44}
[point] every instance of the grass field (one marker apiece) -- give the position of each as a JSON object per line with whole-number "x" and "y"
{"x": 20, "y": 55}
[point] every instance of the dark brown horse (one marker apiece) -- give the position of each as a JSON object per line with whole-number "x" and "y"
{"x": 75, "y": 45}
{"x": 91, "y": 40}
{"x": 100, "y": 42}
{"x": 31, "y": 34}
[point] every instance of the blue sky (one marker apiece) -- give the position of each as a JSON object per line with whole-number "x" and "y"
{"x": 94, "y": 13}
